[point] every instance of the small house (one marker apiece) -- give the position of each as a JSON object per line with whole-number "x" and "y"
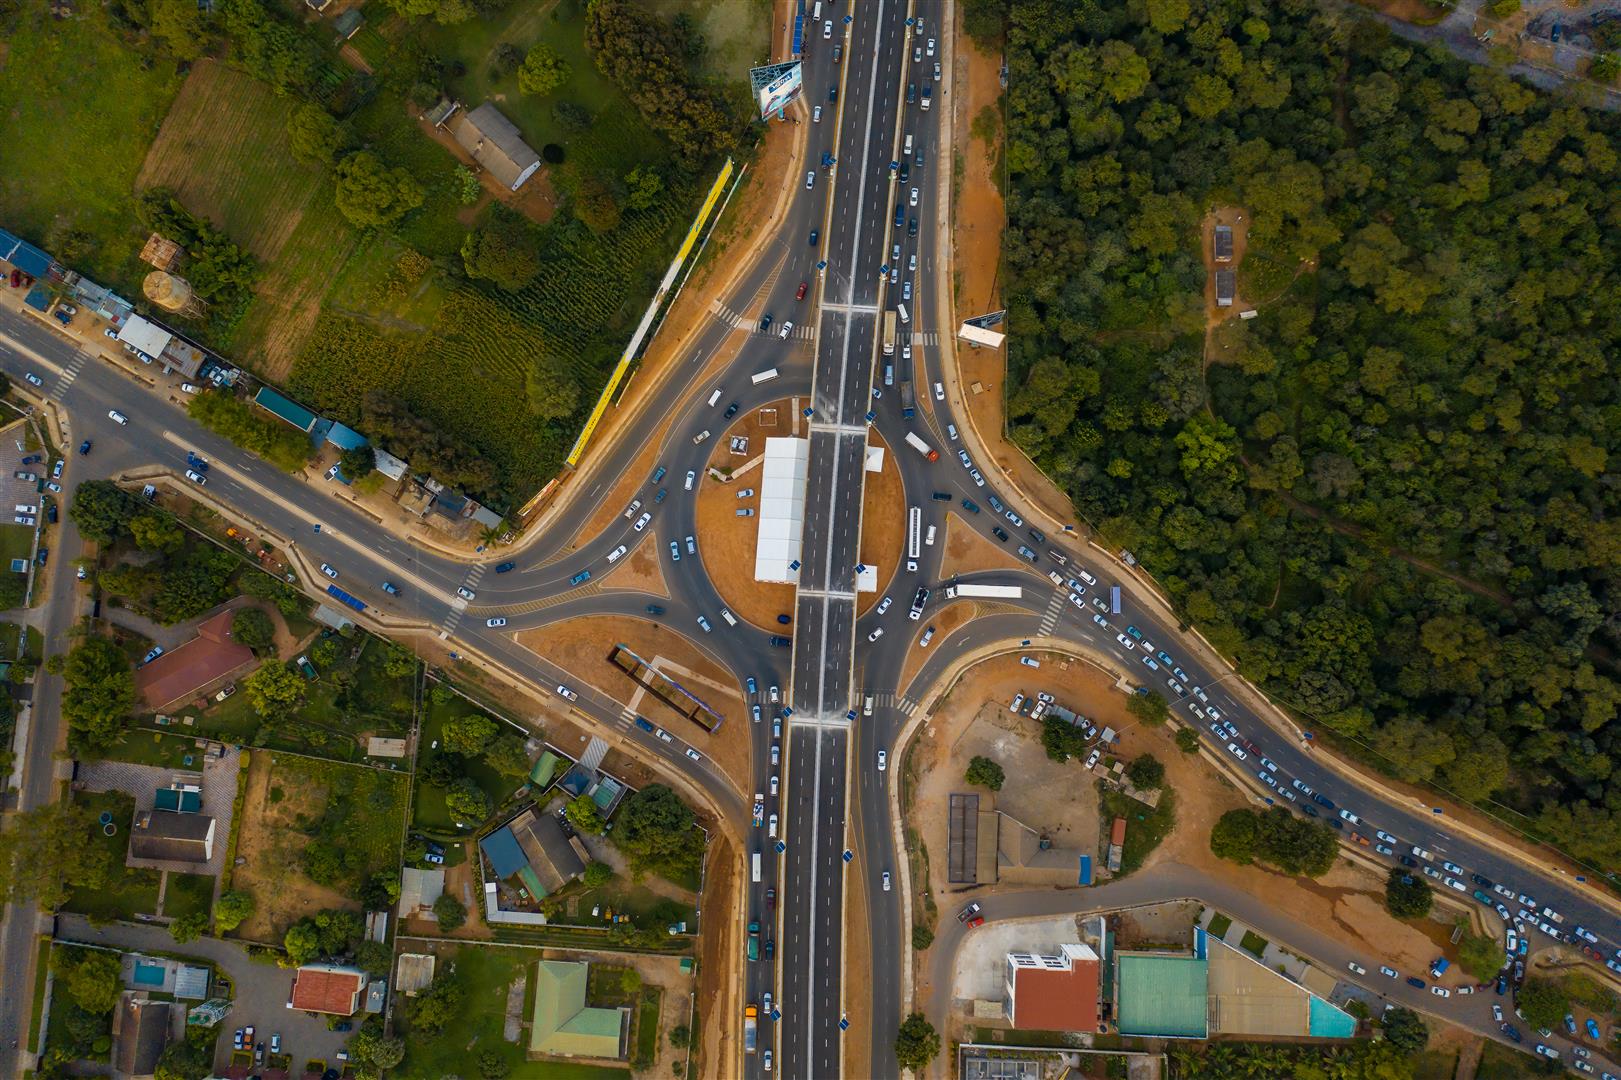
{"x": 496, "y": 144}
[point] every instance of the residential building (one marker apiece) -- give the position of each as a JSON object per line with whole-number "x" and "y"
{"x": 327, "y": 988}
{"x": 496, "y": 144}
{"x": 562, "y": 1025}
{"x": 171, "y": 836}
{"x": 1053, "y": 992}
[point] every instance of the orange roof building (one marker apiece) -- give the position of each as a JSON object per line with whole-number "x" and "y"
{"x": 207, "y": 658}
{"x": 1053, "y": 993}
{"x": 327, "y": 988}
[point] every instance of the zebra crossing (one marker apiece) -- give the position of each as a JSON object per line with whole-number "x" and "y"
{"x": 927, "y": 339}
{"x": 458, "y": 604}
{"x": 891, "y": 699}
{"x": 1050, "y": 619}
{"x": 69, "y": 373}
{"x": 736, "y": 320}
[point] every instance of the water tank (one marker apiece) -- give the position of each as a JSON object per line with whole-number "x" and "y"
{"x": 169, "y": 291}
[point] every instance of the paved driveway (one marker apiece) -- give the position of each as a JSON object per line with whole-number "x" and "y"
{"x": 262, "y": 990}
{"x": 142, "y": 782}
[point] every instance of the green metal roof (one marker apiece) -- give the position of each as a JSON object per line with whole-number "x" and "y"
{"x": 562, "y": 1024}
{"x": 1161, "y": 995}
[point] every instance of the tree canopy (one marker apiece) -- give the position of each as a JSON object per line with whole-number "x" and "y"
{"x": 371, "y": 193}
{"x": 1294, "y": 845}
{"x": 1391, "y": 496}
{"x": 916, "y": 1043}
{"x": 47, "y": 851}
{"x": 275, "y": 690}
{"x": 658, "y": 832}
{"x": 542, "y": 70}
{"x": 99, "y": 694}
{"x": 1407, "y": 894}
{"x": 985, "y": 772}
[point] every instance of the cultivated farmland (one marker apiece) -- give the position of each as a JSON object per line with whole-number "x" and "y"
{"x": 223, "y": 151}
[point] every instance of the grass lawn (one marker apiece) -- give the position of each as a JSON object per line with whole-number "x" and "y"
{"x": 1500, "y": 1062}
{"x": 363, "y": 811}
{"x": 1219, "y": 925}
{"x": 1253, "y": 943}
{"x": 188, "y": 894}
{"x": 645, "y": 907}
{"x": 11, "y": 636}
{"x": 647, "y": 1031}
{"x": 485, "y": 974}
{"x": 81, "y": 110}
{"x": 145, "y": 746}
{"x": 130, "y": 892}
{"x": 97, "y": 1035}
{"x": 430, "y": 813}
{"x": 16, "y": 542}
{"x": 1436, "y": 1065}
{"x": 1145, "y": 826}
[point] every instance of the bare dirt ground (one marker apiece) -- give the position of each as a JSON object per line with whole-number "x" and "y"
{"x": 1215, "y": 316}
{"x": 268, "y": 844}
{"x": 857, "y": 968}
{"x": 728, "y": 542}
{"x": 945, "y": 621}
{"x": 883, "y": 524}
{"x": 1414, "y": 11}
{"x": 967, "y": 551}
{"x": 641, "y": 572}
{"x": 719, "y": 944}
{"x": 581, "y": 647}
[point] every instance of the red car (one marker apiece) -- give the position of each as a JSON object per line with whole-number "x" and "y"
{"x": 977, "y": 920}
{"x": 771, "y": 899}
{"x": 804, "y": 287}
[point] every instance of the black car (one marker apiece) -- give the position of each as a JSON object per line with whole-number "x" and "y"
{"x": 1415, "y": 981}
{"x": 1000, "y": 533}
{"x": 815, "y": 234}
{"x": 1512, "y": 1032}
{"x": 1407, "y": 860}
{"x": 906, "y": 171}
{"x": 832, "y": 93}
{"x": 731, "y": 410}
{"x": 1324, "y": 801}
{"x": 765, "y": 322}
{"x": 50, "y": 513}
{"x": 942, "y": 496}
{"x": 1337, "y": 823}
{"x": 654, "y": 609}
{"x": 1483, "y": 882}
{"x": 1308, "y": 809}
{"x": 971, "y": 506}
{"x": 84, "y": 448}
{"x": 44, "y": 553}
{"x": 1038, "y": 536}
{"x": 781, "y": 642}
{"x": 504, "y": 567}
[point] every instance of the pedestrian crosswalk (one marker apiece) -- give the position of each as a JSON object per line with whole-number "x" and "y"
{"x": 1050, "y": 619}
{"x": 735, "y": 319}
{"x": 458, "y": 604}
{"x": 69, "y": 373}
{"x": 890, "y": 699}
{"x": 926, "y": 339}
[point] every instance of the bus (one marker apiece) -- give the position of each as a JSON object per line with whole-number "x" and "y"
{"x": 757, "y": 868}
{"x": 763, "y": 376}
{"x": 889, "y": 333}
{"x": 914, "y": 531}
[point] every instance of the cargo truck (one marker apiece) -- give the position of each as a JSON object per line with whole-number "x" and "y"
{"x": 754, "y": 940}
{"x": 889, "y": 333}
{"x": 928, "y": 89}
{"x": 999, "y": 592}
{"x": 751, "y": 1028}
{"x": 919, "y": 445}
{"x": 908, "y": 401}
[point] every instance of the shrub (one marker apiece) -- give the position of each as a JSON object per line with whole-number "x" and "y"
{"x": 984, "y": 772}
{"x": 1146, "y": 772}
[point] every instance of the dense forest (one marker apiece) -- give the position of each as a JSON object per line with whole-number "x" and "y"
{"x": 1389, "y": 495}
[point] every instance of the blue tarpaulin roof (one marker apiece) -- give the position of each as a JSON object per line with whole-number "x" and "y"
{"x": 506, "y": 857}
{"x": 345, "y": 438}
{"x": 286, "y": 408}
{"x": 23, "y": 255}
{"x": 38, "y": 298}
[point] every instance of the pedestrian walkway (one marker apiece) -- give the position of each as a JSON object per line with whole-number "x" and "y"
{"x": 1054, "y": 606}
{"x": 69, "y": 373}
{"x": 458, "y": 603}
{"x": 889, "y": 699}
{"x": 735, "y": 319}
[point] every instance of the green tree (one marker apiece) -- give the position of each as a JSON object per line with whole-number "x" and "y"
{"x": 377, "y": 1050}
{"x": 302, "y": 942}
{"x": 180, "y": 25}
{"x": 189, "y": 927}
{"x": 324, "y": 653}
{"x": 916, "y": 1043}
{"x": 658, "y": 832}
{"x": 399, "y": 662}
{"x": 1061, "y": 739}
{"x": 1187, "y": 740}
{"x": 680, "y": 1036}
{"x": 492, "y": 1066}
{"x": 1407, "y": 895}
{"x": 542, "y": 71}
{"x": 469, "y": 734}
{"x": 505, "y": 251}
{"x": 358, "y": 462}
{"x": 275, "y": 690}
{"x": 508, "y": 755}
{"x": 450, "y": 912}
{"x": 99, "y": 694}
{"x": 644, "y": 186}
{"x": 157, "y": 532}
{"x": 1233, "y": 837}
{"x": 253, "y": 628}
{"x": 102, "y": 510}
{"x": 1543, "y": 1002}
{"x": 584, "y": 814}
{"x": 370, "y": 194}
{"x": 922, "y": 936}
{"x": 47, "y": 851}
{"x": 190, "y": 1058}
{"x": 91, "y": 977}
{"x": 314, "y": 135}
{"x": 1404, "y": 1029}
{"x": 1150, "y": 708}
{"x": 1146, "y": 772}
{"x": 436, "y": 1006}
{"x": 1481, "y": 955}
{"x": 234, "y": 908}
{"x": 984, "y": 772}
{"x": 467, "y": 802}
{"x": 596, "y": 203}
{"x": 374, "y": 957}
{"x": 597, "y": 874}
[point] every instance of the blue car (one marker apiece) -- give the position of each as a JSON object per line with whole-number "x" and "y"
{"x": 504, "y": 567}
{"x": 1592, "y": 1030}
{"x": 1570, "y": 1023}
{"x": 642, "y": 723}
{"x": 1512, "y": 1032}
{"x": 580, "y": 578}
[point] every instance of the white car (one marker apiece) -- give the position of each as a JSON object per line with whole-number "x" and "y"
{"x": 675, "y": 551}
{"x": 876, "y": 634}
{"x": 1029, "y": 661}
{"x": 616, "y": 554}
{"x": 493, "y": 623}
{"x": 787, "y": 328}
{"x": 692, "y": 477}
{"x": 816, "y": 115}
{"x": 664, "y": 735}
{"x": 34, "y": 379}
{"x": 883, "y": 760}
{"x": 883, "y": 605}
{"x": 886, "y": 880}
{"x": 930, "y": 50}
{"x": 1358, "y": 968}
{"x": 462, "y": 591}
{"x": 564, "y": 692}
{"x": 188, "y": 388}
{"x": 1126, "y": 642}
{"x": 1440, "y": 991}
{"x": 329, "y": 572}
{"x": 630, "y": 511}
{"x": 117, "y": 417}
{"x": 1237, "y": 751}
{"x": 196, "y": 477}
{"x": 913, "y": 199}
{"x": 939, "y": 391}
{"x": 1389, "y": 972}
{"x": 774, "y": 783}
{"x": 810, "y": 180}
{"x": 692, "y": 545}
{"x": 641, "y": 522}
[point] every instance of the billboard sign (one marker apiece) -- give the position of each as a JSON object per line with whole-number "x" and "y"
{"x": 775, "y": 86}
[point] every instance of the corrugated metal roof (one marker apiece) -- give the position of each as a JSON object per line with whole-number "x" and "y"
{"x": 24, "y": 256}
{"x": 495, "y": 143}
{"x": 506, "y": 857}
{"x": 345, "y": 438}
{"x": 285, "y": 408}
{"x": 145, "y": 335}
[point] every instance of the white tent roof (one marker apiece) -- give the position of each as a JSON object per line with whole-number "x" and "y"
{"x": 782, "y": 508}
{"x": 150, "y": 338}
{"x": 867, "y": 579}
{"x": 875, "y": 459}
{"x": 979, "y": 336}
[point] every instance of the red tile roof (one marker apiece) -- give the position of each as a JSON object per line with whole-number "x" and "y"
{"x": 209, "y": 656}
{"x": 1117, "y": 835}
{"x": 319, "y": 988}
{"x": 1049, "y": 1000}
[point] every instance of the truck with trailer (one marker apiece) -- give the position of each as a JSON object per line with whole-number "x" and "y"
{"x": 908, "y": 400}
{"x": 754, "y": 940}
{"x": 989, "y": 592}
{"x": 751, "y": 1028}
{"x": 889, "y": 333}
{"x": 920, "y": 446}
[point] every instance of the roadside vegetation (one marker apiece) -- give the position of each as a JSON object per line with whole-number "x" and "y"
{"x": 1389, "y": 495}
{"x": 1275, "y": 838}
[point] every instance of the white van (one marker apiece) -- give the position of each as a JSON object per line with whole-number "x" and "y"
{"x": 26, "y": 508}
{"x": 731, "y": 620}
{"x": 866, "y": 708}
{"x": 906, "y": 150}
{"x": 906, "y": 318}
{"x": 714, "y": 397}
{"x": 816, "y": 12}
{"x": 763, "y": 376}
{"x": 929, "y": 537}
